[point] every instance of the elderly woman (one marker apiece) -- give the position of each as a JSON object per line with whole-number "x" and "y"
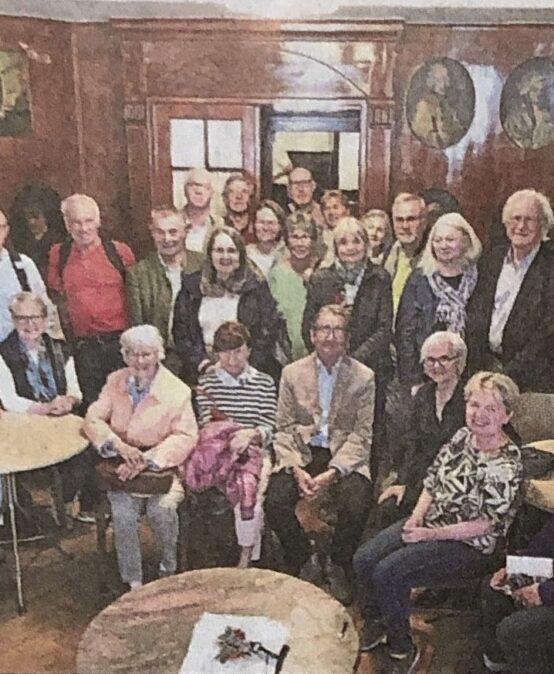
{"x": 244, "y": 395}
{"x": 289, "y": 277}
{"x": 229, "y": 288}
{"x": 268, "y": 230}
{"x": 37, "y": 376}
{"x": 363, "y": 288}
{"x": 436, "y": 412}
{"x": 377, "y": 223}
{"x": 437, "y": 291}
{"x": 468, "y": 501}
{"x": 145, "y": 418}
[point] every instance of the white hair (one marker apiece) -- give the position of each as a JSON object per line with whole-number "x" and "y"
{"x": 428, "y": 263}
{"x": 145, "y": 335}
{"x": 456, "y": 345}
{"x": 542, "y": 202}
{"x": 66, "y": 204}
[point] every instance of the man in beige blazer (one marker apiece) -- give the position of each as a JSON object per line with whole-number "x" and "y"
{"x": 323, "y": 441}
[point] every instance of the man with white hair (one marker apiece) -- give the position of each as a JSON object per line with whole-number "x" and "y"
{"x": 197, "y": 211}
{"x": 153, "y": 284}
{"x": 87, "y": 275}
{"x": 510, "y": 324}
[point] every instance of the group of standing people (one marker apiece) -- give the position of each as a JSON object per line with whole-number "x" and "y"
{"x": 296, "y": 327}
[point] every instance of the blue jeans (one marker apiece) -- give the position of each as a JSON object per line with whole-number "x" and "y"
{"x": 387, "y": 569}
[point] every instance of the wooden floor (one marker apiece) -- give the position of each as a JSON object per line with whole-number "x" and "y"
{"x": 63, "y": 594}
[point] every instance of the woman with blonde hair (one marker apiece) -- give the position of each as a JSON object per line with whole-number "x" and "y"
{"x": 437, "y": 291}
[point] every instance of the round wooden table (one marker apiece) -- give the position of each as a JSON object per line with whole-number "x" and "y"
{"x": 148, "y": 631}
{"x": 29, "y": 442}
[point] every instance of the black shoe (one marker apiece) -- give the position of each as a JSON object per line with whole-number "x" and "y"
{"x": 339, "y": 585}
{"x": 405, "y": 663}
{"x": 373, "y": 635}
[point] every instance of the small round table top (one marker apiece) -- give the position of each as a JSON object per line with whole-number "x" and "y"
{"x": 149, "y": 630}
{"x": 30, "y": 441}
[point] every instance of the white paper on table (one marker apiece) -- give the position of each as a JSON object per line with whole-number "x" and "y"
{"x": 201, "y": 656}
{"x": 537, "y": 567}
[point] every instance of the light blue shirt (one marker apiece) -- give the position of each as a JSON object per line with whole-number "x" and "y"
{"x": 326, "y": 381}
{"x": 507, "y": 289}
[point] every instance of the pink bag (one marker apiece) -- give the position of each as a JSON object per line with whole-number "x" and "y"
{"x": 213, "y": 464}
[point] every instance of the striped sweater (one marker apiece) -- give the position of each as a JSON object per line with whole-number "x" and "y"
{"x": 250, "y": 399}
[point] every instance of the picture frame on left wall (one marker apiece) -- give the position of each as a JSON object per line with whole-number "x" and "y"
{"x": 15, "y": 94}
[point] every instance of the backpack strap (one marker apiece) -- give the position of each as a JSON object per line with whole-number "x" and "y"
{"x": 17, "y": 264}
{"x": 109, "y": 247}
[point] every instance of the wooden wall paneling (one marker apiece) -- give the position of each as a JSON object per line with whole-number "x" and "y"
{"x": 256, "y": 62}
{"x": 50, "y": 152}
{"x": 100, "y": 123}
{"x": 485, "y": 167}
{"x": 139, "y": 186}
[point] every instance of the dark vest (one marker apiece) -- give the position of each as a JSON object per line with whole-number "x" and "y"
{"x": 16, "y": 360}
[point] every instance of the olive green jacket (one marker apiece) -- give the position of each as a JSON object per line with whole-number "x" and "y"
{"x": 148, "y": 290}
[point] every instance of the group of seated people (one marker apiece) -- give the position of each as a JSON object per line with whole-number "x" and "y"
{"x": 276, "y": 358}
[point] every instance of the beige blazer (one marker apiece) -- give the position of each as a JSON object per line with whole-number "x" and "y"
{"x": 350, "y": 416}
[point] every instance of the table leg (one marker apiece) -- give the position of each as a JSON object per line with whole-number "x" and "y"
{"x": 12, "y": 497}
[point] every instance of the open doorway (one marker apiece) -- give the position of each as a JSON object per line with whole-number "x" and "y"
{"x": 327, "y": 142}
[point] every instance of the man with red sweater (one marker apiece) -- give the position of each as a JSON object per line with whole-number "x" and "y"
{"x": 518, "y": 631}
{"x": 87, "y": 275}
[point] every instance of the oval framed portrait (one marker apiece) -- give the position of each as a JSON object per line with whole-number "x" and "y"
{"x": 527, "y": 104}
{"x": 440, "y": 102}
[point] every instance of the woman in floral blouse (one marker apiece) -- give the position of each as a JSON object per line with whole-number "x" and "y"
{"x": 468, "y": 501}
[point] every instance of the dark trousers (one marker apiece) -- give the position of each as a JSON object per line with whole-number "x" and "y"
{"x": 523, "y": 638}
{"x": 351, "y": 495}
{"x": 387, "y": 569}
{"x": 96, "y": 358}
{"x": 78, "y": 476}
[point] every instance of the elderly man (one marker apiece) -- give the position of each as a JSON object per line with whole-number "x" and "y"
{"x": 409, "y": 223}
{"x": 510, "y": 323}
{"x": 238, "y": 196}
{"x": 197, "y": 212}
{"x": 323, "y": 442}
{"x": 301, "y": 190}
{"x": 153, "y": 283}
{"x": 87, "y": 275}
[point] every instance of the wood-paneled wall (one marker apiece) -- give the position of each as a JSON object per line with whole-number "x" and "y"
{"x": 91, "y": 103}
{"x": 485, "y": 167}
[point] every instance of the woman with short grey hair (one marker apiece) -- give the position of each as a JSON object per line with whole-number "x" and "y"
{"x": 435, "y": 412}
{"x": 144, "y": 420}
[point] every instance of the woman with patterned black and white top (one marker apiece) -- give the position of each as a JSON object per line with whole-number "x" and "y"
{"x": 469, "y": 499}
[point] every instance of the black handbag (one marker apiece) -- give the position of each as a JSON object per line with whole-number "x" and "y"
{"x": 147, "y": 482}
{"x": 536, "y": 462}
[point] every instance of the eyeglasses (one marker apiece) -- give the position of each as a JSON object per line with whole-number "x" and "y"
{"x": 328, "y": 330}
{"x": 301, "y": 183}
{"x": 27, "y": 319}
{"x": 443, "y": 361}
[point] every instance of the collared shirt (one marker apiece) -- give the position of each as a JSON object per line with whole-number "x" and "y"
{"x": 9, "y": 286}
{"x": 175, "y": 278}
{"x": 326, "y": 381}
{"x": 197, "y": 235}
{"x": 507, "y": 289}
{"x": 93, "y": 287}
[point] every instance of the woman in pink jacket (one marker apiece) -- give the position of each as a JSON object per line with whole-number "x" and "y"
{"x": 143, "y": 415}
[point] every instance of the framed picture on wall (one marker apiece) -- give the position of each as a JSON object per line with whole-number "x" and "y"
{"x": 15, "y": 99}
